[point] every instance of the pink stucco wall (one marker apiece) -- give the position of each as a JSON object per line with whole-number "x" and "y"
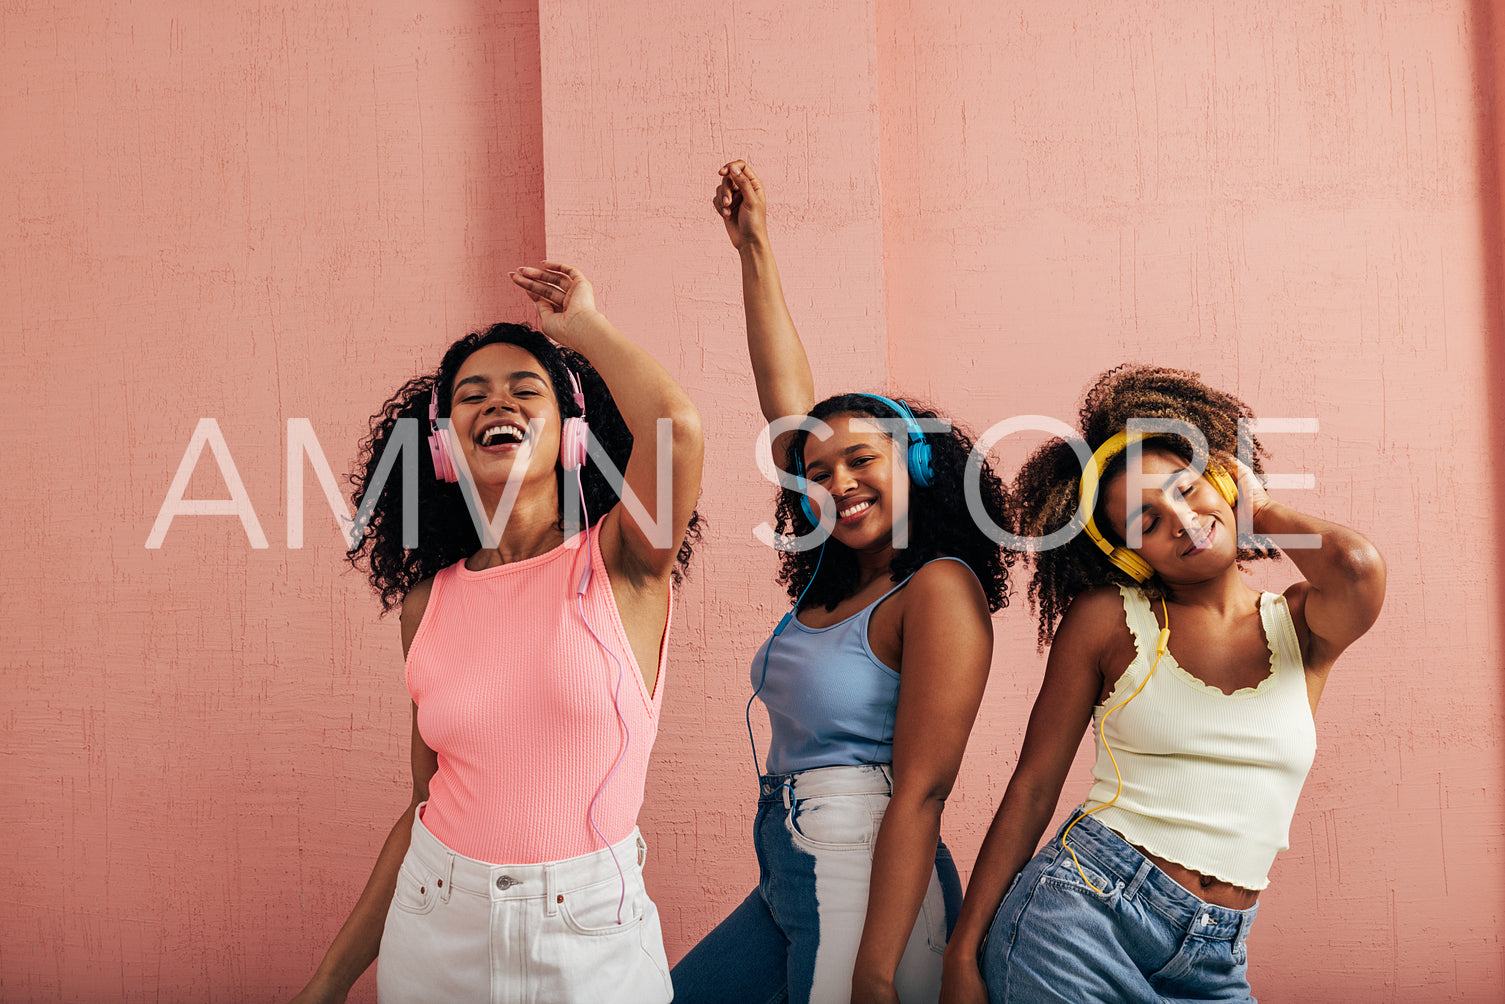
{"x": 263, "y": 213}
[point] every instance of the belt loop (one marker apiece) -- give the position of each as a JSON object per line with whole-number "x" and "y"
{"x": 642, "y": 849}
{"x": 788, "y": 790}
{"x": 1145, "y": 867}
{"x": 550, "y": 897}
{"x": 1245, "y": 921}
{"x": 888, "y": 775}
{"x": 447, "y": 878}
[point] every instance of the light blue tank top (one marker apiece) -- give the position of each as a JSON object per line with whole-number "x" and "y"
{"x": 831, "y": 702}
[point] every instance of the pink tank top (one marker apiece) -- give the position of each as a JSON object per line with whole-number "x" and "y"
{"x": 515, "y": 697}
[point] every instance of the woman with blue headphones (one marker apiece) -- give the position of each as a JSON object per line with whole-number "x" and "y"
{"x": 871, "y": 682}
{"x": 1204, "y": 733}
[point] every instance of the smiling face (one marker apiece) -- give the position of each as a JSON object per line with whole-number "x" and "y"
{"x": 861, "y": 467}
{"x": 1187, "y": 530}
{"x": 498, "y": 393}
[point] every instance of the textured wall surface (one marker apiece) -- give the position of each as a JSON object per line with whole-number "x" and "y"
{"x": 261, "y": 213}
{"x": 251, "y": 214}
{"x": 1287, "y": 199}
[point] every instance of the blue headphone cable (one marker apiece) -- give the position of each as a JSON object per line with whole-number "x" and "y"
{"x": 768, "y": 648}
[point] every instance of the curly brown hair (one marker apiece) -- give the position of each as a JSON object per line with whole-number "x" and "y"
{"x": 1045, "y": 493}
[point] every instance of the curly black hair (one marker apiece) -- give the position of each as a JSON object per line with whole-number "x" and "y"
{"x": 446, "y": 533}
{"x": 940, "y": 523}
{"x": 1046, "y": 491}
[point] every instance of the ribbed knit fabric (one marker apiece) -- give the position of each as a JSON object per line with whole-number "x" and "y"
{"x": 515, "y": 697}
{"x": 1210, "y": 780}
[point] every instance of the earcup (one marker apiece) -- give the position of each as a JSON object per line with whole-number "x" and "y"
{"x": 444, "y": 467}
{"x": 1130, "y": 564}
{"x": 444, "y": 464}
{"x": 572, "y": 440}
{"x": 1217, "y": 475}
{"x": 920, "y": 470}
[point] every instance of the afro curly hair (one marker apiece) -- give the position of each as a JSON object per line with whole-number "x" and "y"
{"x": 1045, "y": 493}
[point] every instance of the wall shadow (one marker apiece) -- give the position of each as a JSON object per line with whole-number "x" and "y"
{"x": 1489, "y": 87}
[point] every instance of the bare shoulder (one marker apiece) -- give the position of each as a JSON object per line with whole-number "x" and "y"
{"x": 414, "y": 603}
{"x": 1097, "y": 612}
{"x": 1094, "y": 626}
{"x": 949, "y": 582}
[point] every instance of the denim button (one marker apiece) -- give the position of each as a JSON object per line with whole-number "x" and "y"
{"x": 506, "y": 882}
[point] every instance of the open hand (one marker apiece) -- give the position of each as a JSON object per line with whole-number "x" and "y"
{"x": 741, "y": 203}
{"x": 563, "y": 294}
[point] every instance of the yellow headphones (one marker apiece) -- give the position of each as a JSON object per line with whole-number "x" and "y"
{"x": 1124, "y": 559}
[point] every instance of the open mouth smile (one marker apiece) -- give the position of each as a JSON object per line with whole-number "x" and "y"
{"x": 500, "y": 436}
{"x": 853, "y": 511}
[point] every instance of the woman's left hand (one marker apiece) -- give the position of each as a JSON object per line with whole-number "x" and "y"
{"x": 563, "y": 294}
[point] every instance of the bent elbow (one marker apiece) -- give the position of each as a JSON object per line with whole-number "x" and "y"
{"x": 925, "y": 797}
{"x": 685, "y": 419}
{"x": 1359, "y": 562}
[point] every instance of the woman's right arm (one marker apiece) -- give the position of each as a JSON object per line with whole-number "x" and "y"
{"x": 780, "y": 368}
{"x": 1071, "y": 688}
{"x": 355, "y": 947}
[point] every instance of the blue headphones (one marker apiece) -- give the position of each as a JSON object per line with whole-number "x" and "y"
{"x": 918, "y": 455}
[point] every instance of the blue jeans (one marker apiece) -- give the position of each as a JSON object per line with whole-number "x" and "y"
{"x": 795, "y": 937}
{"x": 1143, "y": 939}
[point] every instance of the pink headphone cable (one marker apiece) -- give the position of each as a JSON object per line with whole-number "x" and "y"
{"x": 616, "y": 693}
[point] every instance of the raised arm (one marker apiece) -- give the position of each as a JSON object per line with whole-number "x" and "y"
{"x": 359, "y": 940}
{"x": 1063, "y": 708}
{"x": 644, "y": 393}
{"x": 1344, "y": 583}
{"x": 947, "y": 649}
{"x": 780, "y": 368}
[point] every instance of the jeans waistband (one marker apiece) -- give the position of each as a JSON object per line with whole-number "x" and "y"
{"x": 863, "y": 779}
{"x": 1135, "y": 876}
{"x": 548, "y": 879}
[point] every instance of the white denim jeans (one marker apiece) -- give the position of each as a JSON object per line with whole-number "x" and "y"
{"x": 794, "y": 939}
{"x": 465, "y": 930}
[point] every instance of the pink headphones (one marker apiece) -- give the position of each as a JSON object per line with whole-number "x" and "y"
{"x": 572, "y": 436}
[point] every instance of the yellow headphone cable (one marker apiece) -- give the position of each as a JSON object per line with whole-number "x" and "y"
{"x": 1161, "y": 645}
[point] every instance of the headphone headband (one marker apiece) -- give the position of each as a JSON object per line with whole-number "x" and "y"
{"x": 1124, "y": 559}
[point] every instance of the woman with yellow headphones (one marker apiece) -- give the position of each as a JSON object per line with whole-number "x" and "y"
{"x": 1204, "y": 734}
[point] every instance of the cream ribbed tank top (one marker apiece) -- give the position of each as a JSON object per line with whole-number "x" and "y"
{"x": 1210, "y": 780}
{"x": 515, "y": 697}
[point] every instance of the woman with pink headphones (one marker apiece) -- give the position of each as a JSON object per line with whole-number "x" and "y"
{"x": 535, "y": 616}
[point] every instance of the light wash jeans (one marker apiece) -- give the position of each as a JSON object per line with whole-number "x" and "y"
{"x": 795, "y": 937}
{"x": 1144, "y": 939}
{"x": 465, "y": 930}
